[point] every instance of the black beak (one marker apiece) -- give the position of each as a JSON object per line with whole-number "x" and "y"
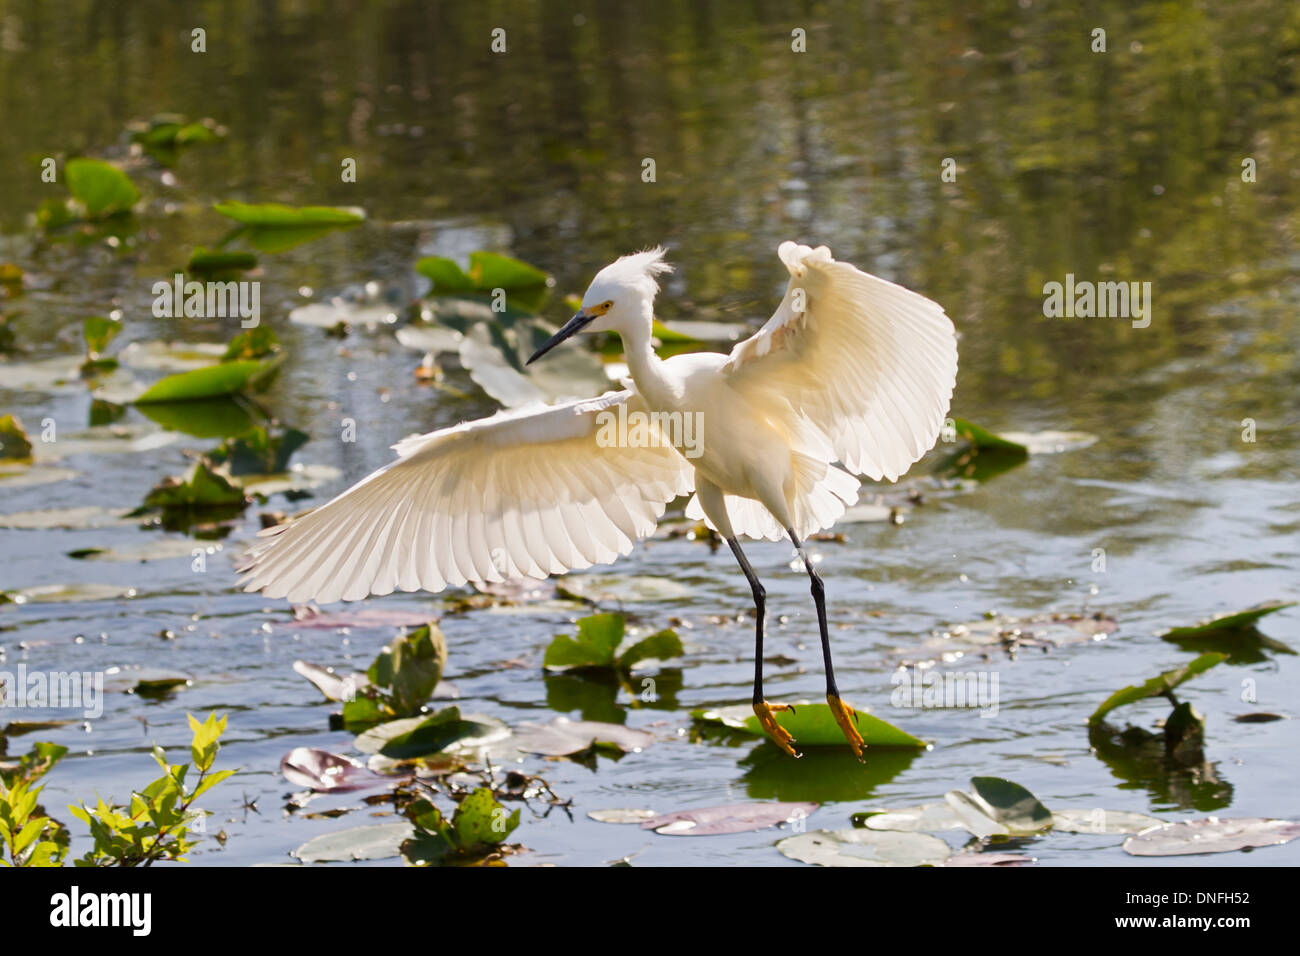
{"x": 575, "y": 325}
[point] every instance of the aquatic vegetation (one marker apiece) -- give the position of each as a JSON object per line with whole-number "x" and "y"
{"x": 476, "y": 831}
{"x": 1162, "y": 685}
{"x": 275, "y": 227}
{"x": 165, "y": 136}
{"x": 154, "y": 827}
{"x": 596, "y": 646}
{"x": 813, "y": 724}
{"x": 249, "y": 363}
{"x": 14, "y": 443}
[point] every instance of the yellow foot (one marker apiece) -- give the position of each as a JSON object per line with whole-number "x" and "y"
{"x": 847, "y": 718}
{"x": 780, "y": 736}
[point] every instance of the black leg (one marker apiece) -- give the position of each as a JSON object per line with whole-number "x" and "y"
{"x": 764, "y": 711}
{"x": 760, "y": 607}
{"x": 844, "y": 715}
{"x": 819, "y": 599}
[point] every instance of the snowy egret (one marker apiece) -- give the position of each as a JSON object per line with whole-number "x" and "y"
{"x": 851, "y": 369}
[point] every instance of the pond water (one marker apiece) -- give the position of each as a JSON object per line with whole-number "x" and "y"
{"x": 1117, "y": 166}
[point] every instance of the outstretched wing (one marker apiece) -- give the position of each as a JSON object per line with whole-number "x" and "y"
{"x": 866, "y": 362}
{"x": 528, "y": 493}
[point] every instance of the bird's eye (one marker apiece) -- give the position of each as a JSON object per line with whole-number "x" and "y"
{"x": 607, "y": 305}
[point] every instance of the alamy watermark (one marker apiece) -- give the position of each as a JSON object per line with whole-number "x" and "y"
{"x": 637, "y": 429}
{"x": 81, "y": 690}
{"x": 1103, "y": 300}
{"x": 208, "y": 300}
{"x": 935, "y": 690}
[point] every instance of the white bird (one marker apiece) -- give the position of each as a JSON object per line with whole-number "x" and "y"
{"x": 852, "y": 375}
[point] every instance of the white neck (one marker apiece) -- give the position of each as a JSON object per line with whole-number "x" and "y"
{"x": 646, "y": 367}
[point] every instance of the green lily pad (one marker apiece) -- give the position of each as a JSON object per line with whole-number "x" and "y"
{"x": 279, "y": 216}
{"x": 487, "y": 271}
{"x": 812, "y": 725}
{"x": 101, "y": 188}
{"x": 1157, "y": 686}
{"x": 225, "y": 378}
{"x": 865, "y": 848}
{"x": 984, "y": 440}
{"x": 217, "y": 264}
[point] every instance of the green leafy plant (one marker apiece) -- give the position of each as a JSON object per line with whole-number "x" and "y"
{"x": 400, "y": 681}
{"x": 154, "y": 827}
{"x": 249, "y": 363}
{"x": 596, "y": 646}
{"x": 475, "y": 834}
{"x": 98, "y": 332}
{"x": 1162, "y": 685}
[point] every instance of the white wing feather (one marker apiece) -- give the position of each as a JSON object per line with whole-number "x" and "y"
{"x": 525, "y": 493}
{"x": 868, "y": 363}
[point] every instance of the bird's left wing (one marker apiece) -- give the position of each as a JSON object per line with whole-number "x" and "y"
{"x": 525, "y": 493}
{"x": 868, "y": 364}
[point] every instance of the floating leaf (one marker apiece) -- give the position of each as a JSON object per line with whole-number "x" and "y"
{"x": 307, "y": 616}
{"x": 812, "y": 724}
{"x": 324, "y": 772}
{"x": 1160, "y": 685}
{"x": 201, "y": 487}
{"x": 984, "y": 440}
{"x": 732, "y": 818}
{"x": 446, "y": 730}
{"x": 409, "y": 669}
{"x": 624, "y": 588}
{"x": 1012, "y": 805}
{"x": 216, "y": 264}
{"x": 14, "y": 445}
{"x": 80, "y": 518}
{"x": 102, "y": 188}
{"x": 478, "y": 828}
{"x": 622, "y": 816}
{"x": 488, "y": 271}
{"x": 1211, "y": 835}
{"x": 333, "y": 686}
{"x": 225, "y": 378}
{"x": 170, "y": 356}
{"x": 278, "y": 216}
{"x": 258, "y": 452}
{"x": 1102, "y": 821}
{"x": 376, "y": 842}
{"x": 988, "y": 859}
{"x": 562, "y": 737}
{"x": 926, "y": 818}
{"x": 865, "y": 848}
{"x": 598, "y": 637}
{"x": 1227, "y": 625}
{"x": 98, "y": 332}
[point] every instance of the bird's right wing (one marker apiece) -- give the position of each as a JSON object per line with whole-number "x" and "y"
{"x": 525, "y": 493}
